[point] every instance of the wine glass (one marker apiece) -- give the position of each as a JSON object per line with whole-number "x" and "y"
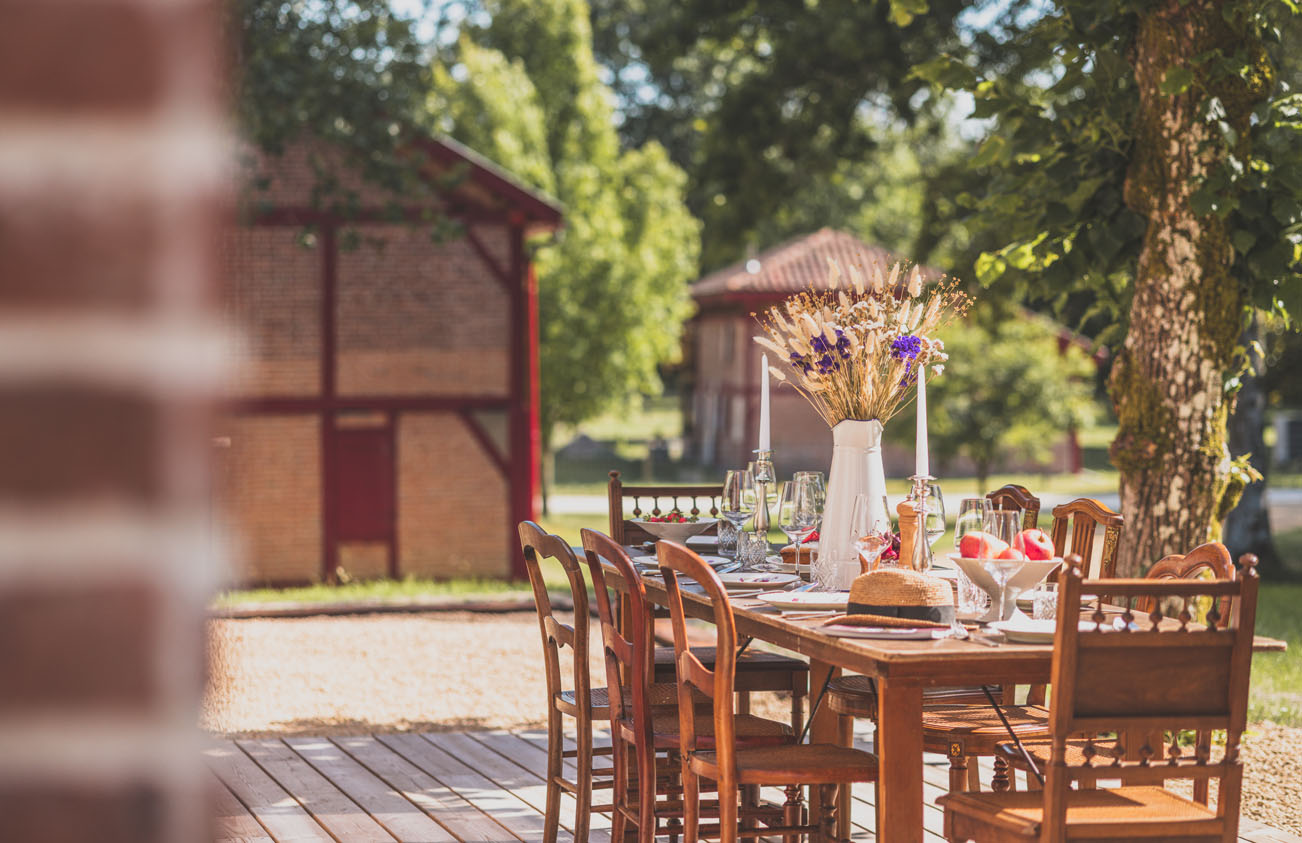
{"x": 819, "y": 482}
{"x": 737, "y": 504}
{"x": 800, "y": 512}
{"x": 971, "y": 519}
{"x": 933, "y": 522}
{"x": 1003, "y": 524}
{"x": 870, "y": 536}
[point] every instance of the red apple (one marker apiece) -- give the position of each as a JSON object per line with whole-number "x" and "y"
{"x": 1036, "y": 544}
{"x": 979, "y": 545}
{"x": 1010, "y": 553}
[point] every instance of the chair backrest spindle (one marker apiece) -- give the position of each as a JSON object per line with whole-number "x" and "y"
{"x": 1013, "y": 496}
{"x": 625, "y": 532}
{"x": 1086, "y": 515}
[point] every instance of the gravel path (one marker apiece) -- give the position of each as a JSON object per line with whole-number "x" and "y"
{"x": 458, "y": 670}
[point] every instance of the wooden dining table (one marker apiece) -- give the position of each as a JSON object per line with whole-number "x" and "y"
{"x": 901, "y": 670}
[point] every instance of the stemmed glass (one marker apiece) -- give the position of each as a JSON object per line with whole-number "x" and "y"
{"x": 1002, "y": 524}
{"x": 971, "y": 519}
{"x": 870, "y": 537}
{"x": 800, "y": 511}
{"x": 738, "y": 501}
{"x": 819, "y": 483}
{"x": 934, "y": 515}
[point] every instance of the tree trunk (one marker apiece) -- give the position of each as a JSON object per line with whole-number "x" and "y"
{"x": 1168, "y": 385}
{"x": 1247, "y": 528}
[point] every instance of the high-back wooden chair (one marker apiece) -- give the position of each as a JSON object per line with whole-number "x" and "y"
{"x": 1086, "y": 516}
{"x": 655, "y": 500}
{"x": 721, "y": 759}
{"x": 1211, "y": 558}
{"x": 643, "y": 710}
{"x": 582, "y": 702}
{"x": 1013, "y": 496}
{"x": 1154, "y": 679}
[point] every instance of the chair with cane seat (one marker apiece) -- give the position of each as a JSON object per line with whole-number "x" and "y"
{"x": 582, "y": 702}
{"x": 1211, "y": 558}
{"x": 1133, "y": 675}
{"x": 641, "y": 725}
{"x": 729, "y": 766}
{"x": 1086, "y": 516}
{"x": 1013, "y": 496}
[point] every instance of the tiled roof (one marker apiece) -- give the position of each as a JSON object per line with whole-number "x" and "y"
{"x": 799, "y": 264}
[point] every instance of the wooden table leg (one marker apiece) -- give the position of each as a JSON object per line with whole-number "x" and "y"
{"x": 899, "y": 756}
{"x": 825, "y": 729}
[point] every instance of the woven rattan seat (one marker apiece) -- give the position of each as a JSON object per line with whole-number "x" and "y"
{"x": 975, "y": 722}
{"x": 750, "y": 730}
{"x": 855, "y": 696}
{"x": 1114, "y": 815}
{"x": 793, "y": 764}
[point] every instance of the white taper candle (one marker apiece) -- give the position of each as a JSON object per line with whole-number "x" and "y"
{"x": 764, "y": 444}
{"x": 922, "y": 464}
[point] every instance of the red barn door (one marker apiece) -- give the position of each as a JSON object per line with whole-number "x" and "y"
{"x": 365, "y": 489}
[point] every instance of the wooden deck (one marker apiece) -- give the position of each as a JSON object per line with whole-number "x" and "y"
{"x": 453, "y": 787}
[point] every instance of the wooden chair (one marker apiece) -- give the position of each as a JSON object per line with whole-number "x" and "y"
{"x": 1213, "y": 558}
{"x": 583, "y": 702}
{"x": 1164, "y": 677}
{"x": 1086, "y": 515}
{"x": 643, "y": 713}
{"x": 722, "y": 761}
{"x": 625, "y": 532}
{"x": 1013, "y": 496}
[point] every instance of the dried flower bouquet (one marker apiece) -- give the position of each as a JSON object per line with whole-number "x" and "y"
{"x": 856, "y": 350}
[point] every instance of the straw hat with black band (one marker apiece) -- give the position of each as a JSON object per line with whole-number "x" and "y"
{"x": 898, "y": 597}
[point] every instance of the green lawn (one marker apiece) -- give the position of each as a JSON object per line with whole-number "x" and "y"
{"x": 1277, "y": 677}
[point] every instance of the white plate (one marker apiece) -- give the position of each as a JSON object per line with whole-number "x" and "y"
{"x": 676, "y": 531}
{"x": 884, "y": 632}
{"x": 746, "y": 580}
{"x": 811, "y": 600}
{"x": 1026, "y": 631}
{"x": 652, "y": 563}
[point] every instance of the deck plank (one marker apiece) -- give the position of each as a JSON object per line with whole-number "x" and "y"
{"x": 399, "y": 816}
{"x": 518, "y": 816}
{"x": 346, "y": 821}
{"x": 458, "y": 816}
{"x": 475, "y": 787}
{"x": 232, "y": 822}
{"x": 274, "y": 807}
{"x": 533, "y": 761}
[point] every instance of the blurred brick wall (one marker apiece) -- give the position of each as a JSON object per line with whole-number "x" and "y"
{"x": 109, "y": 174}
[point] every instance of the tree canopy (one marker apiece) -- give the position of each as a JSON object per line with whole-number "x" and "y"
{"x": 523, "y": 88}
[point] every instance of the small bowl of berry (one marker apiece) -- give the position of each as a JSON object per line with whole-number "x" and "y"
{"x": 675, "y": 526}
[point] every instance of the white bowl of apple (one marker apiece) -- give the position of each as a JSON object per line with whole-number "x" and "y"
{"x": 1033, "y": 548}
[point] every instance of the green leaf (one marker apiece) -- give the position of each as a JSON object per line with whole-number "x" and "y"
{"x": 991, "y": 151}
{"x": 1176, "y": 81}
{"x": 1243, "y": 240}
{"x": 904, "y": 11}
{"x": 989, "y": 267}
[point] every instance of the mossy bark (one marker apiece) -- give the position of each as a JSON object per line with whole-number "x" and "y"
{"x": 1168, "y": 386}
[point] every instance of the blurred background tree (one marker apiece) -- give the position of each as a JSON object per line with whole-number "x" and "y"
{"x": 1008, "y": 393}
{"x": 523, "y": 89}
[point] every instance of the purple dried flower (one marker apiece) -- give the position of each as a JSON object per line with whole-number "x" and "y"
{"x": 906, "y": 347}
{"x": 801, "y": 362}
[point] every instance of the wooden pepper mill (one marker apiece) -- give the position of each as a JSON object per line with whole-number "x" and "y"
{"x": 915, "y": 550}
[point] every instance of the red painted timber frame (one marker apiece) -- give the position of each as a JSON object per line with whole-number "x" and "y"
{"x": 520, "y": 468}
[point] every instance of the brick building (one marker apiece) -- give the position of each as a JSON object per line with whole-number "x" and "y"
{"x": 724, "y": 408}
{"x": 385, "y": 421}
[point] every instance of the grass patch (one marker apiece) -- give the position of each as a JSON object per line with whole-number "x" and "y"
{"x": 1277, "y": 677}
